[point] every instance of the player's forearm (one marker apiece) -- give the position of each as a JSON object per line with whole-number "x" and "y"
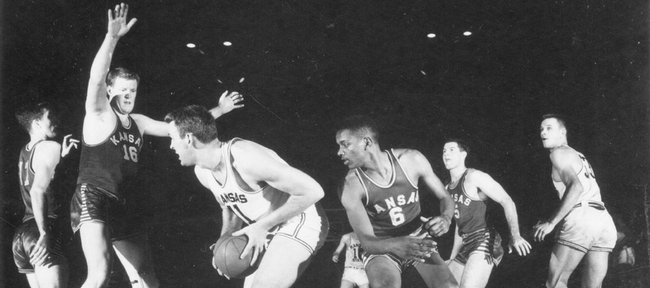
{"x": 570, "y": 199}
{"x": 39, "y": 207}
{"x": 295, "y": 205}
{"x": 102, "y": 60}
{"x": 95, "y": 96}
{"x": 217, "y": 112}
{"x": 510, "y": 210}
{"x": 447, "y": 208}
{"x": 230, "y": 222}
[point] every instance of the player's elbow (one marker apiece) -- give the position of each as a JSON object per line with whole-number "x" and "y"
{"x": 317, "y": 194}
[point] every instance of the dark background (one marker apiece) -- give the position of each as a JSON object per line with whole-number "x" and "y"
{"x": 306, "y": 64}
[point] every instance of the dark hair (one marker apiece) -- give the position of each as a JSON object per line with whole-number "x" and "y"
{"x": 358, "y": 123}
{"x": 122, "y": 73}
{"x": 194, "y": 119}
{"x": 462, "y": 145}
{"x": 28, "y": 113}
{"x": 560, "y": 119}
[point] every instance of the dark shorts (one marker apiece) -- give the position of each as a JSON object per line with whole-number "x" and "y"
{"x": 26, "y": 237}
{"x": 92, "y": 204}
{"x": 400, "y": 263}
{"x": 483, "y": 241}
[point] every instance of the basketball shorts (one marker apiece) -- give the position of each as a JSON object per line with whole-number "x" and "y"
{"x": 26, "y": 237}
{"x": 588, "y": 227}
{"x": 92, "y": 204}
{"x": 483, "y": 241}
{"x": 356, "y": 276}
{"x": 400, "y": 263}
{"x": 309, "y": 229}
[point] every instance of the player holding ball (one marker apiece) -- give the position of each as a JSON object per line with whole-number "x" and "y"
{"x": 253, "y": 185}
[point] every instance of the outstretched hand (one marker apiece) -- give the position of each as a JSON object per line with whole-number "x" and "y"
{"x": 256, "y": 241}
{"x": 520, "y": 245}
{"x": 68, "y": 144}
{"x": 117, "y": 25}
{"x": 542, "y": 229}
{"x": 230, "y": 101}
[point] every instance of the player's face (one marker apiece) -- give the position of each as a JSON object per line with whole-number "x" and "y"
{"x": 552, "y": 133}
{"x": 47, "y": 125}
{"x": 180, "y": 145}
{"x": 351, "y": 148}
{"x": 124, "y": 90}
{"x": 452, "y": 155}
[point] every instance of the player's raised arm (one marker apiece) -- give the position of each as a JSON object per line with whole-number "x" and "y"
{"x": 438, "y": 225}
{"x": 46, "y": 157}
{"x": 227, "y": 102}
{"x": 495, "y": 191}
{"x": 96, "y": 101}
{"x": 567, "y": 164}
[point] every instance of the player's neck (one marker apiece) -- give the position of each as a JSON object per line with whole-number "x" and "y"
{"x": 210, "y": 156}
{"x": 379, "y": 164}
{"x": 561, "y": 146}
{"x": 35, "y": 138}
{"x": 457, "y": 172}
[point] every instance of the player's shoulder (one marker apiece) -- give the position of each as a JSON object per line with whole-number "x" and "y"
{"x": 351, "y": 186}
{"x": 564, "y": 154}
{"x": 407, "y": 154}
{"x": 47, "y": 147}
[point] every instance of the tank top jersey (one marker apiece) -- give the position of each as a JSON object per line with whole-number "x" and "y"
{"x": 249, "y": 206}
{"x": 26, "y": 176}
{"x": 468, "y": 212}
{"x": 591, "y": 190}
{"x": 393, "y": 208}
{"x": 108, "y": 164}
{"x": 353, "y": 254}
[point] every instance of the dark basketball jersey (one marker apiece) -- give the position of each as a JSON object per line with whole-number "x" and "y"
{"x": 26, "y": 175}
{"x": 393, "y": 208}
{"x": 469, "y": 212}
{"x": 108, "y": 164}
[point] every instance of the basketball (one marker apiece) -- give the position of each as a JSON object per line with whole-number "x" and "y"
{"x": 226, "y": 254}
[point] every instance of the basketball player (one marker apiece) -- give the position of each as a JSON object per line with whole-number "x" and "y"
{"x": 586, "y": 229}
{"x": 255, "y": 186}
{"x": 112, "y": 139}
{"x": 477, "y": 246}
{"x": 38, "y": 242}
{"x": 380, "y": 195}
{"x": 353, "y": 273}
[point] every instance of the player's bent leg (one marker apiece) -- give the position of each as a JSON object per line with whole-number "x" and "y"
{"x": 54, "y": 276}
{"x": 31, "y": 279}
{"x": 477, "y": 271}
{"x": 95, "y": 242}
{"x": 595, "y": 269}
{"x": 436, "y": 275}
{"x": 563, "y": 261}
{"x": 281, "y": 264}
{"x": 346, "y": 284}
{"x": 456, "y": 268}
{"x": 135, "y": 255}
{"x": 383, "y": 273}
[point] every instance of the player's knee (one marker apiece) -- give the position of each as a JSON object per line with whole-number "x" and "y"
{"x": 384, "y": 282}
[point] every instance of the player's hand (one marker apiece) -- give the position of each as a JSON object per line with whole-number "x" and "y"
{"x": 412, "y": 248}
{"x": 68, "y": 144}
{"x": 230, "y": 101}
{"x": 436, "y": 226}
{"x": 212, "y": 262}
{"x": 542, "y": 230}
{"x": 40, "y": 253}
{"x": 117, "y": 26}
{"x": 520, "y": 245}
{"x": 256, "y": 240}
{"x": 335, "y": 258}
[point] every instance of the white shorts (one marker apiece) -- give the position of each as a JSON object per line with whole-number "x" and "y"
{"x": 587, "y": 228}
{"x": 356, "y": 276}
{"x": 308, "y": 229}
